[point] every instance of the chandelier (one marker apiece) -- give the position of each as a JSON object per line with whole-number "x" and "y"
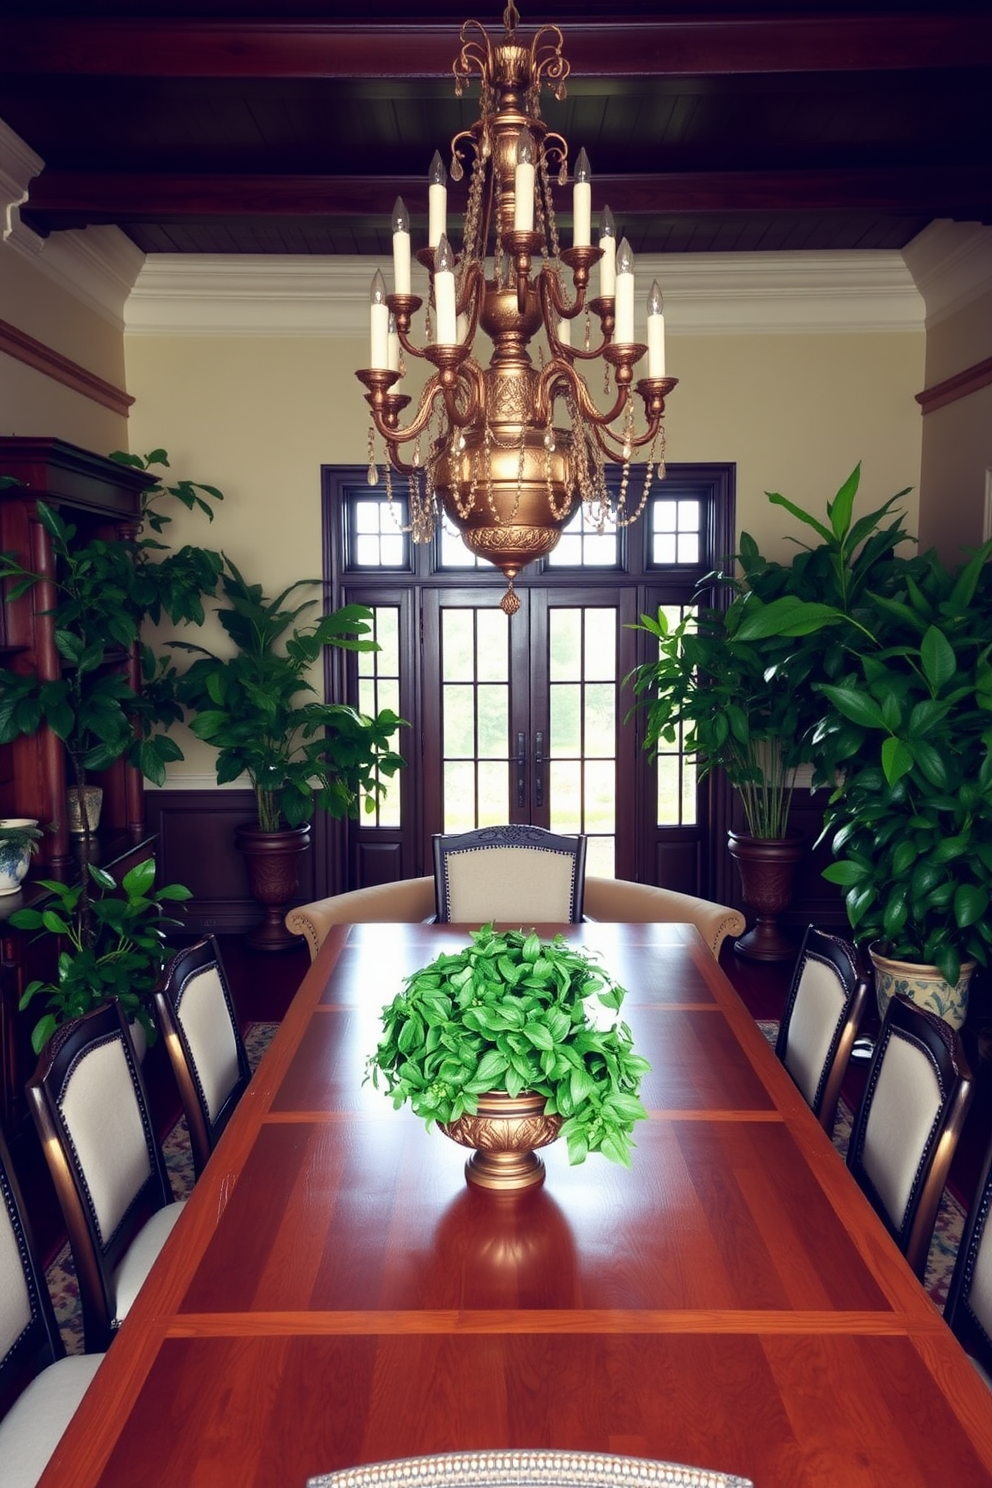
{"x": 485, "y": 449}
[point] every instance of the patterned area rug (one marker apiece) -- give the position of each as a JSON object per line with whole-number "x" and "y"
{"x": 950, "y": 1215}
{"x": 179, "y": 1165}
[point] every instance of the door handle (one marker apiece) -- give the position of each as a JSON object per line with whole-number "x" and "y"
{"x": 521, "y": 769}
{"x": 539, "y": 769}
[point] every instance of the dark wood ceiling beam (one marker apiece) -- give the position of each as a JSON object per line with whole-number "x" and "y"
{"x": 94, "y": 196}
{"x": 286, "y": 49}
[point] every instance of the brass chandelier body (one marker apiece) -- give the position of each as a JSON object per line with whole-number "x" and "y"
{"x": 507, "y": 477}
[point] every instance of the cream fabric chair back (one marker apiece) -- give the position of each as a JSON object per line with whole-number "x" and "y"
{"x": 969, "y": 1299}
{"x": 514, "y": 874}
{"x": 823, "y": 1011}
{"x": 198, "y": 1020}
{"x": 909, "y": 1121}
{"x": 89, "y": 1104}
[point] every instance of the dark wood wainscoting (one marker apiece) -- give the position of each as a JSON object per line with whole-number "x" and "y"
{"x": 195, "y": 831}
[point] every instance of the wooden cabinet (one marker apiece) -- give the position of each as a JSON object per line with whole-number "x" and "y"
{"x": 101, "y": 499}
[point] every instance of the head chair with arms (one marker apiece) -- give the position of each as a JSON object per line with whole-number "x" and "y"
{"x": 197, "y": 1019}
{"x": 407, "y": 901}
{"x": 88, "y": 1101}
{"x": 823, "y": 1011}
{"x": 514, "y": 874}
{"x": 40, "y": 1387}
{"x": 916, "y": 1096}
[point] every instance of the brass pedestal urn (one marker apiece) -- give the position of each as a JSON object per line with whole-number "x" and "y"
{"x": 273, "y": 862}
{"x": 923, "y": 984}
{"x": 505, "y": 1132}
{"x": 767, "y": 867}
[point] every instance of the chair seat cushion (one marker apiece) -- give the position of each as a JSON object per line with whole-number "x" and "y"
{"x": 32, "y": 1428}
{"x": 141, "y": 1256}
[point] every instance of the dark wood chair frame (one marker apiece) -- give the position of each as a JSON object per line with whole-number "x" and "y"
{"x": 537, "y": 838}
{"x": 958, "y": 1313}
{"x": 847, "y": 963}
{"x": 40, "y": 1343}
{"x": 96, "y": 1258}
{"x": 176, "y": 980}
{"x": 942, "y": 1047}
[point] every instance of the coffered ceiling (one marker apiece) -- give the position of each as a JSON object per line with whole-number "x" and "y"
{"x": 250, "y": 126}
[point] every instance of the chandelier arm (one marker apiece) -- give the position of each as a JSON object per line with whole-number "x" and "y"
{"x": 588, "y": 408}
{"x": 394, "y": 436}
{"x": 627, "y": 442}
{"x": 469, "y": 382}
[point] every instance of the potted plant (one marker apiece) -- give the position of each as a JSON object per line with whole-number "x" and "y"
{"x": 260, "y": 711}
{"x": 906, "y": 733}
{"x": 111, "y": 944}
{"x": 19, "y": 837}
{"x": 743, "y": 695}
{"x": 499, "y": 1035}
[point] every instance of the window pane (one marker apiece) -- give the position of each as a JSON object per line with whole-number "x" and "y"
{"x": 494, "y": 794}
{"x": 600, "y": 796}
{"x": 459, "y": 721}
{"x": 600, "y": 711}
{"x": 566, "y": 736}
{"x": 601, "y": 644}
{"x": 493, "y": 705}
{"x": 456, "y": 645}
{"x": 601, "y": 857}
{"x": 582, "y": 546}
{"x": 459, "y": 796}
{"x": 565, "y": 645}
{"x": 565, "y": 779}
{"x": 493, "y": 646}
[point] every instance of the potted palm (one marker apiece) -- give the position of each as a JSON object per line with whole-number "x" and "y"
{"x": 259, "y": 710}
{"x": 743, "y": 693}
{"x": 496, "y": 1045}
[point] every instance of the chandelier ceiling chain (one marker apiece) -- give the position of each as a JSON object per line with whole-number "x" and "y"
{"x": 506, "y": 476}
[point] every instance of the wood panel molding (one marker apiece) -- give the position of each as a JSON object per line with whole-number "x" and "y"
{"x": 24, "y": 348}
{"x": 958, "y": 386}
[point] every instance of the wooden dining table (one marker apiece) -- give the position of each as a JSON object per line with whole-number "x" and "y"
{"x": 336, "y": 1294}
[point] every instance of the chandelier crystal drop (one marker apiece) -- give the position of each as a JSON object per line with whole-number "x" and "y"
{"x": 496, "y": 462}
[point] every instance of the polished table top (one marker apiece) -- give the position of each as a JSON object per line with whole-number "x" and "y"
{"x": 335, "y": 1294}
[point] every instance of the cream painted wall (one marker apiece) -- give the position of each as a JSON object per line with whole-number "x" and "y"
{"x": 34, "y": 404}
{"x": 957, "y": 467}
{"x": 796, "y": 414}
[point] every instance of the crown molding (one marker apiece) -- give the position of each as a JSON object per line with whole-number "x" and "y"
{"x": 951, "y": 265}
{"x": 705, "y": 294}
{"x": 18, "y": 166}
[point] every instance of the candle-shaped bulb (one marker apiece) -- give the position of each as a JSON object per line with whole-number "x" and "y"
{"x": 437, "y": 202}
{"x": 624, "y": 331}
{"x": 401, "y": 248}
{"x": 379, "y": 322}
{"x": 656, "y": 332}
{"x": 608, "y": 262}
{"x": 444, "y": 261}
{"x": 582, "y": 203}
{"x": 444, "y": 294}
{"x": 523, "y": 183}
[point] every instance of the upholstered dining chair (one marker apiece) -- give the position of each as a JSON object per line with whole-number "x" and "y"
{"x": 823, "y": 1010}
{"x": 405, "y": 902}
{"x": 638, "y": 904}
{"x": 196, "y": 1018}
{"x": 88, "y": 1101}
{"x": 909, "y": 1121}
{"x": 520, "y": 874}
{"x": 527, "y": 1468}
{"x": 40, "y": 1386}
{"x": 968, "y": 1310}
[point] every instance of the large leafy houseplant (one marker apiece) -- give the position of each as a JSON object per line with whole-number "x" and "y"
{"x": 117, "y": 949}
{"x": 742, "y": 695}
{"x": 906, "y": 735}
{"x": 259, "y": 709}
{"x": 508, "y": 1013}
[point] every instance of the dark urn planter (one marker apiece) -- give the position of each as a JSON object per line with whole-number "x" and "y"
{"x": 273, "y": 861}
{"x": 767, "y": 867}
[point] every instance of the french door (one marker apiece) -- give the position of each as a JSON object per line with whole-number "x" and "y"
{"x": 521, "y": 719}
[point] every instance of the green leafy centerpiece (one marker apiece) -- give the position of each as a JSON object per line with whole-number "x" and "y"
{"x": 495, "y": 1044}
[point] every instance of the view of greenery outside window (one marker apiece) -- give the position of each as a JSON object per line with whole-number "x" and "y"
{"x": 583, "y": 678}
{"x": 378, "y": 691}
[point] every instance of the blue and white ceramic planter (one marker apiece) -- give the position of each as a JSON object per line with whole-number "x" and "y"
{"x": 15, "y": 860}
{"x": 923, "y": 985}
